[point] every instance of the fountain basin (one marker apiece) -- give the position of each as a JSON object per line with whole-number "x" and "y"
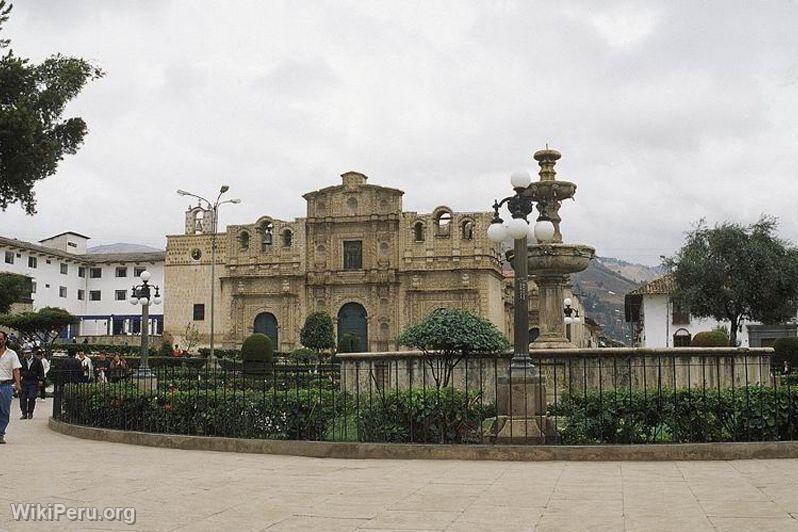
{"x": 550, "y": 190}
{"x": 558, "y": 259}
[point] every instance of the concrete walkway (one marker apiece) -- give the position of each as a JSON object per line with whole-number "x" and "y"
{"x": 196, "y": 490}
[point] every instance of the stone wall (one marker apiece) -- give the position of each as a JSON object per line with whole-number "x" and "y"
{"x": 565, "y": 371}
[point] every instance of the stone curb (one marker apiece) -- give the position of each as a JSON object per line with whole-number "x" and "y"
{"x": 522, "y": 453}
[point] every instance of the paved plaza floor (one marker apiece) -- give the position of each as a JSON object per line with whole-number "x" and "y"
{"x": 200, "y": 490}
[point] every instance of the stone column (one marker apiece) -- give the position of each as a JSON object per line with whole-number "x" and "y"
{"x": 551, "y": 322}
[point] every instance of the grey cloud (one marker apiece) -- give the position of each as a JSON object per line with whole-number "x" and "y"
{"x": 664, "y": 112}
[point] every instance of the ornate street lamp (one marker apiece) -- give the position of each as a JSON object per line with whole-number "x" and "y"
{"x": 143, "y": 295}
{"x": 520, "y": 206}
{"x": 571, "y": 316}
{"x": 214, "y": 207}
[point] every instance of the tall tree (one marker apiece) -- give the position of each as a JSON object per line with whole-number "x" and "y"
{"x": 41, "y": 327}
{"x": 317, "y": 332}
{"x": 33, "y": 135}
{"x": 735, "y": 273}
{"x": 13, "y": 289}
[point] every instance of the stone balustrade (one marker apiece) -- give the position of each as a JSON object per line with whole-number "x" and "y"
{"x": 563, "y": 370}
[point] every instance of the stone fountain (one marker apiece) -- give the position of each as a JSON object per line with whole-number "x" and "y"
{"x": 551, "y": 264}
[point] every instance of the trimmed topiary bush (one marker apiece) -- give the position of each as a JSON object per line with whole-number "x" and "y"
{"x": 257, "y": 354}
{"x": 447, "y": 335}
{"x": 716, "y": 338}
{"x": 786, "y": 349}
{"x": 317, "y": 333}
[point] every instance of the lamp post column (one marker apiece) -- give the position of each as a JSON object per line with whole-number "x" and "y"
{"x": 211, "y": 355}
{"x": 521, "y": 360}
{"x": 145, "y": 338}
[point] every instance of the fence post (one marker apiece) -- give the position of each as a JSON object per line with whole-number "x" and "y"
{"x": 57, "y": 393}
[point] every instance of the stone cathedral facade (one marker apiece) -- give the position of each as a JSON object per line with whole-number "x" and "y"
{"x": 356, "y": 255}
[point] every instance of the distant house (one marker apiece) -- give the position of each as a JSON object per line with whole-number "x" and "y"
{"x": 95, "y": 287}
{"x": 658, "y": 321}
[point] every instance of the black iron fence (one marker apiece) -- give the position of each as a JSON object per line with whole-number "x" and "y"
{"x": 572, "y": 397}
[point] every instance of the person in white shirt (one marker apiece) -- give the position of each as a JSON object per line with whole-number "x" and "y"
{"x": 9, "y": 379}
{"x": 85, "y": 362}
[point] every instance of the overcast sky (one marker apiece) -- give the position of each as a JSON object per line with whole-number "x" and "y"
{"x": 664, "y": 112}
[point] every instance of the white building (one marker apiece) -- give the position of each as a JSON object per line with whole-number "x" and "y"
{"x": 658, "y": 321}
{"x": 93, "y": 286}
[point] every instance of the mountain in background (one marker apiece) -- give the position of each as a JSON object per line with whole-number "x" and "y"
{"x": 602, "y": 287}
{"x": 638, "y": 273}
{"x": 122, "y": 248}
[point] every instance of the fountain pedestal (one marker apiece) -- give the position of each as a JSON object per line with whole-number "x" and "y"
{"x": 550, "y": 266}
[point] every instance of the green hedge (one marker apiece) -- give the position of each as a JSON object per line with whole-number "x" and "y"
{"x": 742, "y": 414}
{"x": 714, "y": 338}
{"x": 220, "y": 353}
{"x": 431, "y": 416}
{"x": 300, "y": 415}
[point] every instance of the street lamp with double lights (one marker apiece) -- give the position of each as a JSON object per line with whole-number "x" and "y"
{"x": 520, "y": 206}
{"x": 214, "y": 208}
{"x": 145, "y": 294}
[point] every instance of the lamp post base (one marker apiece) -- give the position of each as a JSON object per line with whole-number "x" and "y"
{"x": 521, "y": 407}
{"x": 539, "y": 430}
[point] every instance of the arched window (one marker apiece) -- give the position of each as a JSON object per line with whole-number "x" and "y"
{"x": 267, "y": 236}
{"x": 418, "y": 231}
{"x": 443, "y": 223}
{"x": 352, "y": 320}
{"x": 199, "y": 218}
{"x": 243, "y": 240}
{"x": 266, "y": 323}
{"x": 288, "y": 238}
{"x": 467, "y": 230}
{"x": 681, "y": 338}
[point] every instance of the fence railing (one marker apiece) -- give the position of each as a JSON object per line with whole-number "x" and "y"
{"x": 572, "y": 397}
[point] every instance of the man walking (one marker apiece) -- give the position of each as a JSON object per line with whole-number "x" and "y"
{"x": 32, "y": 376}
{"x": 9, "y": 378}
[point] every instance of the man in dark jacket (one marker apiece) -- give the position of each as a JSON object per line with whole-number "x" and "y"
{"x": 32, "y": 376}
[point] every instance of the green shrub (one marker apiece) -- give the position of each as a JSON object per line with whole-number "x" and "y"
{"x": 258, "y": 347}
{"x": 451, "y": 331}
{"x": 786, "y": 349}
{"x": 317, "y": 333}
{"x": 714, "y": 338}
{"x": 350, "y": 343}
{"x": 257, "y": 354}
{"x": 219, "y": 353}
{"x": 431, "y": 416}
{"x": 303, "y": 356}
{"x": 685, "y": 415}
{"x": 446, "y": 336}
{"x": 299, "y": 415}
